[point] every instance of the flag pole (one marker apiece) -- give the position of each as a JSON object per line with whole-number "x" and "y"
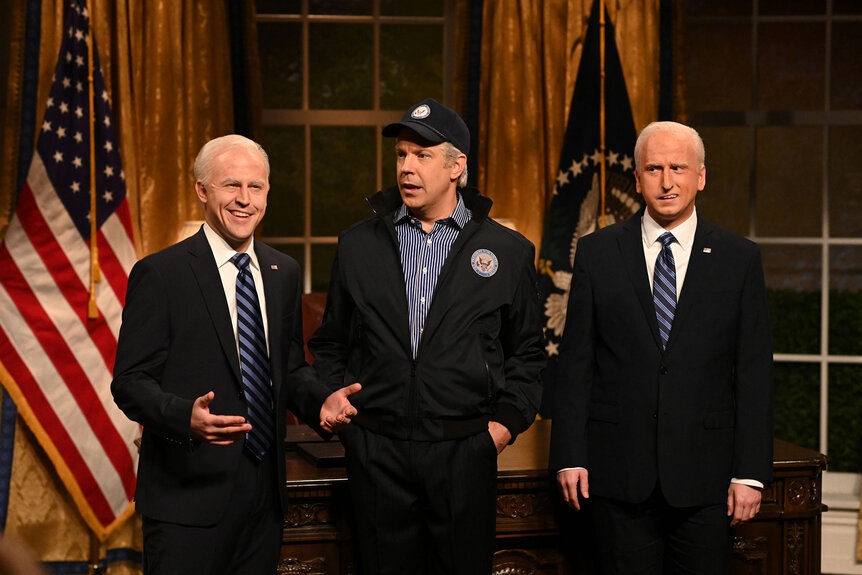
{"x": 602, "y": 149}
{"x": 95, "y": 275}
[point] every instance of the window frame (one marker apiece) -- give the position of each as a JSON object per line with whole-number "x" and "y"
{"x": 376, "y": 117}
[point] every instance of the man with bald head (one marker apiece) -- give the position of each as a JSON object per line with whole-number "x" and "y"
{"x": 663, "y": 407}
{"x": 209, "y": 358}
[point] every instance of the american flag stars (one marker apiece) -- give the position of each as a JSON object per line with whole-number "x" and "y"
{"x": 66, "y": 129}
{"x": 589, "y": 163}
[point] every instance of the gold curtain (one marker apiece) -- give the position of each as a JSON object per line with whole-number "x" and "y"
{"x": 168, "y": 71}
{"x": 531, "y": 50}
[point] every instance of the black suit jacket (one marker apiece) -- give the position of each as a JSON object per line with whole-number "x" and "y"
{"x": 690, "y": 417}
{"x": 177, "y": 343}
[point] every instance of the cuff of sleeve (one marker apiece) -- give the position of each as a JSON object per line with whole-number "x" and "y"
{"x": 750, "y": 482}
{"x": 509, "y": 416}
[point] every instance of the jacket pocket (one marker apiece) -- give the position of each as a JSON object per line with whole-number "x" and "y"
{"x": 605, "y": 412}
{"x": 719, "y": 419}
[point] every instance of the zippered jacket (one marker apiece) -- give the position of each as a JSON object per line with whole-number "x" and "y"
{"x": 481, "y": 351}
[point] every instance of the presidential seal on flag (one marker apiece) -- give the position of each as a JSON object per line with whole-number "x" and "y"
{"x": 580, "y": 203}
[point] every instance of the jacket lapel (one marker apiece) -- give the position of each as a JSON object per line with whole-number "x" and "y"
{"x": 631, "y": 247}
{"x": 273, "y": 289}
{"x": 209, "y": 281}
{"x": 695, "y": 277}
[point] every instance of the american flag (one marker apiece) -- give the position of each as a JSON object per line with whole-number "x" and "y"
{"x": 54, "y": 361}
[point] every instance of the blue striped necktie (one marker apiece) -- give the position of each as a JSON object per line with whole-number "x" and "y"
{"x": 253, "y": 360}
{"x": 664, "y": 287}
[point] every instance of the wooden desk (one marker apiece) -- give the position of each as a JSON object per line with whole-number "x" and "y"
{"x": 537, "y": 534}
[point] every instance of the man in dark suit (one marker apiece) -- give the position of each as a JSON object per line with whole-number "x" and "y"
{"x": 664, "y": 397}
{"x": 210, "y": 378}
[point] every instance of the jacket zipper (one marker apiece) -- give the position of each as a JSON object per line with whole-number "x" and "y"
{"x": 490, "y": 381}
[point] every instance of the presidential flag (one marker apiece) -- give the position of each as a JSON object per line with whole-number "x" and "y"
{"x": 56, "y": 362}
{"x": 576, "y": 203}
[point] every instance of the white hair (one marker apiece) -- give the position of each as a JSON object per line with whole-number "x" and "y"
{"x": 682, "y": 129}
{"x": 450, "y": 155}
{"x": 216, "y": 147}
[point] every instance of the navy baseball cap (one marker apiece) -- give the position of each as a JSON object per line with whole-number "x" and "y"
{"x": 434, "y": 122}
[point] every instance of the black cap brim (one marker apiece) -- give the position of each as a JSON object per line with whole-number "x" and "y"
{"x": 423, "y": 130}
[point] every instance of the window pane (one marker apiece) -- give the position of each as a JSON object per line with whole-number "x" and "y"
{"x": 341, "y": 61}
{"x": 793, "y": 280}
{"x": 846, "y": 7}
{"x": 281, "y": 64}
{"x": 321, "y": 266}
{"x": 845, "y": 425}
{"x": 846, "y": 66}
{"x": 845, "y": 300}
{"x": 402, "y": 8}
{"x": 797, "y": 403}
{"x": 707, "y": 8}
{"x": 349, "y": 7}
{"x": 791, "y": 66}
{"x": 845, "y": 181}
{"x": 408, "y": 76}
{"x": 718, "y": 65}
{"x": 285, "y": 146}
{"x": 789, "y": 181}
{"x": 278, "y": 6}
{"x": 725, "y": 200}
{"x": 343, "y": 168}
{"x": 791, "y": 7}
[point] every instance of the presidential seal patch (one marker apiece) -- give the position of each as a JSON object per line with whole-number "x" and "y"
{"x": 421, "y": 112}
{"x": 484, "y": 263}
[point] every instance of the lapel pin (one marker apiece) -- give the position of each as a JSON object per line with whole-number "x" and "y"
{"x": 273, "y": 267}
{"x": 707, "y": 250}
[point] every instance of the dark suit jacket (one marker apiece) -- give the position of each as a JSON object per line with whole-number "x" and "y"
{"x": 177, "y": 343}
{"x": 692, "y": 416}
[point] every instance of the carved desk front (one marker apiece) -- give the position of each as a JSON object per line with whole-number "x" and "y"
{"x": 536, "y": 534}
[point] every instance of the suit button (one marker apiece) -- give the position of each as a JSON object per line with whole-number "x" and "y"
{"x": 664, "y": 370}
{"x": 654, "y": 415}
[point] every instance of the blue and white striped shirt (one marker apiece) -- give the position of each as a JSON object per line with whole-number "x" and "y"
{"x": 422, "y": 257}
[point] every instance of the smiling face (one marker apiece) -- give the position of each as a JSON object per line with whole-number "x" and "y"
{"x": 234, "y": 197}
{"x": 669, "y": 175}
{"x": 428, "y": 186}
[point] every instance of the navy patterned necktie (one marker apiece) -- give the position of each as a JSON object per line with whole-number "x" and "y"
{"x": 664, "y": 287}
{"x": 253, "y": 360}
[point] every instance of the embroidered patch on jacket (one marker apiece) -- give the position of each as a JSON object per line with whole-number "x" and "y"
{"x": 484, "y": 263}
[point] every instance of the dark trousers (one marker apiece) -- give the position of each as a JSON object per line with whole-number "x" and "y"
{"x": 654, "y": 538}
{"x": 422, "y": 507}
{"x": 247, "y": 540}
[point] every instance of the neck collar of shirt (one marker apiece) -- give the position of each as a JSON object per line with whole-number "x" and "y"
{"x": 222, "y": 250}
{"x": 459, "y": 217}
{"x": 684, "y": 233}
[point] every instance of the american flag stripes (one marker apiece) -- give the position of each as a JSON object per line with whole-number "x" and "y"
{"x": 55, "y": 362}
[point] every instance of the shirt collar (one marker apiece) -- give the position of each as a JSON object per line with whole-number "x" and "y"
{"x": 684, "y": 233}
{"x": 222, "y": 251}
{"x": 459, "y": 217}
